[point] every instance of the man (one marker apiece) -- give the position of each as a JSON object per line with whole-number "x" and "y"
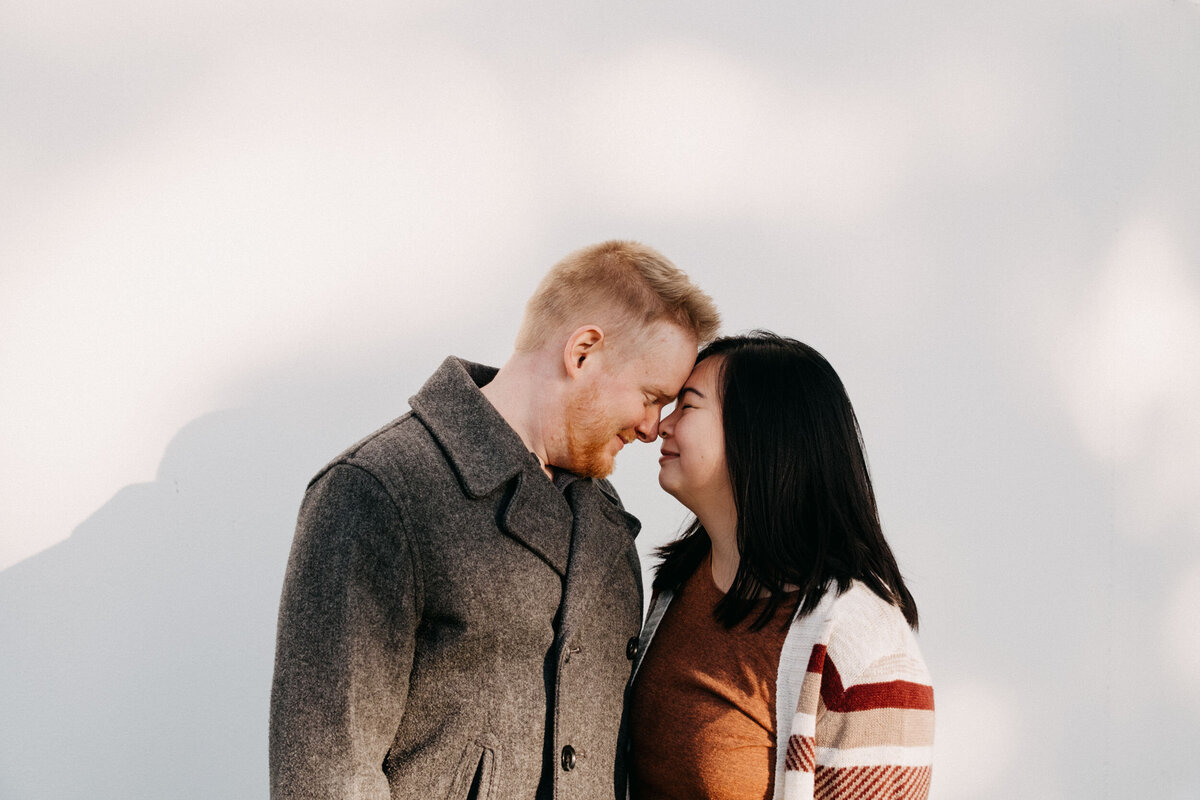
{"x": 463, "y": 597}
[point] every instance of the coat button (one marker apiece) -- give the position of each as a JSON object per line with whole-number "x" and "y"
{"x": 568, "y": 758}
{"x": 631, "y": 648}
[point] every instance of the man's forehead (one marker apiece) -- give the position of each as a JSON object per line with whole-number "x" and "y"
{"x": 662, "y": 357}
{"x": 661, "y": 393}
{"x": 659, "y": 336}
{"x": 666, "y": 367}
{"x": 665, "y": 386}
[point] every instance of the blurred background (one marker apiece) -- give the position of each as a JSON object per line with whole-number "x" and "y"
{"x": 236, "y": 237}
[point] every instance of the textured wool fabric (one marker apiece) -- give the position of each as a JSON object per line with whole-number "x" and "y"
{"x": 854, "y": 701}
{"x": 702, "y": 711}
{"x": 451, "y": 620}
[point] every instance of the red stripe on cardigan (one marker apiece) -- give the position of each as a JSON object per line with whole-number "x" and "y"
{"x": 866, "y": 696}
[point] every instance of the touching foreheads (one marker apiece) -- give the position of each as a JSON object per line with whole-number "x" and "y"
{"x": 622, "y": 286}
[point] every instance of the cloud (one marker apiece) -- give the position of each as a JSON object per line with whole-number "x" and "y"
{"x": 686, "y": 129}
{"x": 977, "y": 730}
{"x": 1181, "y": 634}
{"x": 292, "y": 201}
{"x": 1129, "y": 364}
{"x": 679, "y": 128}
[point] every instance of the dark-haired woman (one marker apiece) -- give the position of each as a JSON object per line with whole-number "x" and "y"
{"x": 778, "y": 659}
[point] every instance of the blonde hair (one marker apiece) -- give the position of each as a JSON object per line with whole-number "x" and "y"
{"x": 625, "y": 285}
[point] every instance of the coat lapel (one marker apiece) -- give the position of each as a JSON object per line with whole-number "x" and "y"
{"x": 487, "y": 454}
{"x": 602, "y": 533}
{"x": 537, "y": 516}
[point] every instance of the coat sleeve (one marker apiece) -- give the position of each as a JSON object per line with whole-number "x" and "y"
{"x": 347, "y": 623}
{"x": 874, "y": 733}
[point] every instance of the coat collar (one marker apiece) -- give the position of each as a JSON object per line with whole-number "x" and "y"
{"x": 485, "y": 452}
{"x": 482, "y": 448}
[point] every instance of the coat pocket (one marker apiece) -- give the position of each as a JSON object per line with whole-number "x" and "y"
{"x": 476, "y": 771}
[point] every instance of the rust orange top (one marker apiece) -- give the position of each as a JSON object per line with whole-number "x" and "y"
{"x": 702, "y": 711}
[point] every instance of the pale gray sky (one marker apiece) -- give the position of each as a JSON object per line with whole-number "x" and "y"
{"x": 983, "y": 214}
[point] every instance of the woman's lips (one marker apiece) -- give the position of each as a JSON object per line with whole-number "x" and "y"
{"x": 667, "y": 456}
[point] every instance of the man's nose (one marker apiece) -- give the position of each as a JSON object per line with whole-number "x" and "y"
{"x": 647, "y": 429}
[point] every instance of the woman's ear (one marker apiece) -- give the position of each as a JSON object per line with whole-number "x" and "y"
{"x": 582, "y": 346}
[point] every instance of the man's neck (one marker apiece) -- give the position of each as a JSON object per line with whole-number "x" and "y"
{"x": 515, "y": 395}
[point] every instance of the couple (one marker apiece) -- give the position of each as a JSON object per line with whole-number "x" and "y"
{"x": 462, "y": 610}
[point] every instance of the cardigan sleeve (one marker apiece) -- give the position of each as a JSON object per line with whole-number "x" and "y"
{"x": 874, "y": 726}
{"x": 347, "y": 623}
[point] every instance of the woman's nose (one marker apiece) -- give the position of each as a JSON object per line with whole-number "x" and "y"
{"x": 667, "y": 426}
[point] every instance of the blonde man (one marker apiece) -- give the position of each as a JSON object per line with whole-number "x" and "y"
{"x": 463, "y": 597}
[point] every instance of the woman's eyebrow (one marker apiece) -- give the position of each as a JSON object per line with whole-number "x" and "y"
{"x": 687, "y": 389}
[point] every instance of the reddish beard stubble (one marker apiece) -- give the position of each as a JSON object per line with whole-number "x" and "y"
{"x": 588, "y": 437}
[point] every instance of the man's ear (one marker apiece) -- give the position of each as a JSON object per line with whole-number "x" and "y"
{"x": 582, "y": 346}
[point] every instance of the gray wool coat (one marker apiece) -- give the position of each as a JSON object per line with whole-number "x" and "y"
{"x": 454, "y": 624}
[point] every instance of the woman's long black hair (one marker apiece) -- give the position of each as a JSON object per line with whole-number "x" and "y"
{"x": 806, "y": 512}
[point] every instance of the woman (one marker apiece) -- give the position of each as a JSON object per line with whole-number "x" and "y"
{"x": 778, "y": 659}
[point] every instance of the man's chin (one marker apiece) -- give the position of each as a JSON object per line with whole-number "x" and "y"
{"x": 596, "y": 464}
{"x": 598, "y": 470}
{"x": 595, "y": 458}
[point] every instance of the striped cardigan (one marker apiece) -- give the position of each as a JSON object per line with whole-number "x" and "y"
{"x": 853, "y": 697}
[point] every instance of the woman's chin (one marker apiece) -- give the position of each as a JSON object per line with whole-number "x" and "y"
{"x": 670, "y": 484}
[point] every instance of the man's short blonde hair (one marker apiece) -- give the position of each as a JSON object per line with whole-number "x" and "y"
{"x": 622, "y": 285}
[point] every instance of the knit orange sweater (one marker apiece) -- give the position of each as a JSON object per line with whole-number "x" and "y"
{"x": 702, "y": 713}
{"x": 853, "y": 704}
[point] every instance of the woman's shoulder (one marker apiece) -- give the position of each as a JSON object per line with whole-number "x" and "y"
{"x": 867, "y": 635}
{"x": 865, "y": 609}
